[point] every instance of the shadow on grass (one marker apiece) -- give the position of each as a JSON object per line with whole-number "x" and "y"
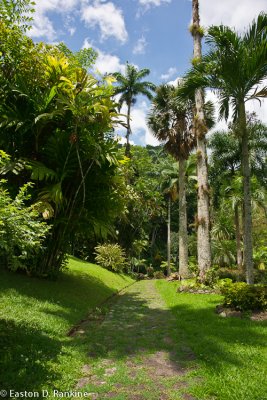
{"x": 196, "y": 333}
{"x": 24, "y": 356}
{"x": 35, "y": 316}
{"x": 192, "y": 332}
{"x": 76, "y": 293}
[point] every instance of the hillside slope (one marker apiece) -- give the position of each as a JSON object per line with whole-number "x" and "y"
{"x": 35, "y": 316}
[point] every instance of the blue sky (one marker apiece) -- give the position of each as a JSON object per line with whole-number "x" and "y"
{"x": 148, "y": 33}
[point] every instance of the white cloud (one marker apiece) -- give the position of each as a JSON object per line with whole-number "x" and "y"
{"x": 122, "y": 140}
{"x": 139, "y": 125}
{"x": 169, "y": 74}
{"x": 234, "y": 13}
{"x": 105, "y": 63}
{"x": 151, "y": 3}
{"x": 42, "y": 25}
{"x": 145, "y": 5}
{"x": 108, "y": 17}
{"x": 72, "y": 30}
{"x": 140, "y": 46}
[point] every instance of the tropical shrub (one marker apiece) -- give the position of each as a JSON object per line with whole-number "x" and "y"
{"x": 110, "y": 256}
{"x": 232, "y": 273}
{"x": 164, "y": 266}
{"x": 244, "y": 297}
{"x": 150, "y": 271}
{"x": 21, "y": 230}
{"x": 159, "y": 275}
{"x": 211, "y": 277}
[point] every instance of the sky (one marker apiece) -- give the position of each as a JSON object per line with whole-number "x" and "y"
{"x": 147, "y": 33}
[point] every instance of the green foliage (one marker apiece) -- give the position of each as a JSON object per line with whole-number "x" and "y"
{"x": 260, "y": 257}
{"x": 22, "y": 232}
{"x": 159, "y": 275}
{"x": 110, "y": 256}
{"x": 231, "y": 273}
{"x": 212, "y": 277}
{"x": 192, "y": 266}
{"x": 194, "y": 286}
{"x": 58, "y": 119}
{"x": 150, "y": 271}
{"x": 244, "y": 297}
{"x": 164, "y": 266}
{"x": 17, "y": 12}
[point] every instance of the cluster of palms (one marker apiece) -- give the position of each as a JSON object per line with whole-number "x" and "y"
{"x": 234, "y": 67}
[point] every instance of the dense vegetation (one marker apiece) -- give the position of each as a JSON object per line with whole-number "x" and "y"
{"x": 70, "y": 194}
{"x": 76, "y": 190}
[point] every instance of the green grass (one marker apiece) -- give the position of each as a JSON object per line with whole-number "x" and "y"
{"x": 35, "y": 316}
{"x": 231, "y": 352}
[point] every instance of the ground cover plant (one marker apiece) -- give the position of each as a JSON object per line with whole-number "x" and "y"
{"x": 230, "y": 353}
{"x": 35, "y": 317}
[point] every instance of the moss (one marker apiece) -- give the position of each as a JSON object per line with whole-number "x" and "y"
{"x": 195, "y": 29}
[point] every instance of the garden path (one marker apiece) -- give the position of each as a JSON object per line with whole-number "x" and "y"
{"x": 134, "y": 352}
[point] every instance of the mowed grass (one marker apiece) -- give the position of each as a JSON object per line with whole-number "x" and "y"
{"x": 231, "y": 353}
{"x": 35, "y": 317}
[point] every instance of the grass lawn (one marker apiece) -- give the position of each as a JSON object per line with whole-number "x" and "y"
{"x": 231, "y": 353}
{"x": 35, "y": 316}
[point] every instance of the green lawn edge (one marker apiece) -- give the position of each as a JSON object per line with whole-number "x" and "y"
{"x": 231, "y": 353}
{"x": 35, "y": 316}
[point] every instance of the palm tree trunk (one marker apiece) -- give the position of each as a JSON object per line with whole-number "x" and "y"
{"x": 169, "y": 238}
{"x": 203, "y": 217}
{"x": 247, "y": 216}
{"x": 128, "y": 146}
{"x": 183, "y": 239}
{"x": 239, "y": 256}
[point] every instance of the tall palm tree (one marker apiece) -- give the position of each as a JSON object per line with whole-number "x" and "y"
{"x": 226, "y": 157}
{"x": 234, "y": 67}
{"x": 203, "y": 203}
{"x": 171, "y": 122}
{"x": 169, "y": 186}
{"x": 129, "y": 86}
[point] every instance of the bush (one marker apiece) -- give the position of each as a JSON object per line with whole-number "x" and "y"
{"x": 150, "y": 271}
{"x": 193, "y": 286}
{"x": 244, "y": 297}
{"x": 159, "y": 275}
{"x": 110, "y": 256}
{"x": 212, "y": 277}
{"x": 193, "y": 267}
{"x": 260, "y": 276}
{"x": 22, "y": 232}
{"x": 234, "y": 274}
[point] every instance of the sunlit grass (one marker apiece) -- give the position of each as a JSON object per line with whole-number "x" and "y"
{"x": 231, "y": 352}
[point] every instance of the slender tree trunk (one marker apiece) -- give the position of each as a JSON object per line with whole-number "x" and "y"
{"x": 169, "y": 238}
{"x": 203, "y": 217}
{"x": 247, "y": 215}
{"x": 128, "y": 133}
{"x": 239, "y": 255}
{"x": 183, "y": 239}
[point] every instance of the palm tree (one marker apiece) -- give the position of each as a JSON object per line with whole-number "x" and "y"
{"x": 226, "y": 157}
{"x": 169, "y": 186}
{"x": 233, "y": 68}
{"x": 203, "y": 203}
{"x": 171, "y": 122}
{"x": 129, "y": 86}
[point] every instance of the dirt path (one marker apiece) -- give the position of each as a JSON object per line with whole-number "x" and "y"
{"x": 134, "y": 353}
